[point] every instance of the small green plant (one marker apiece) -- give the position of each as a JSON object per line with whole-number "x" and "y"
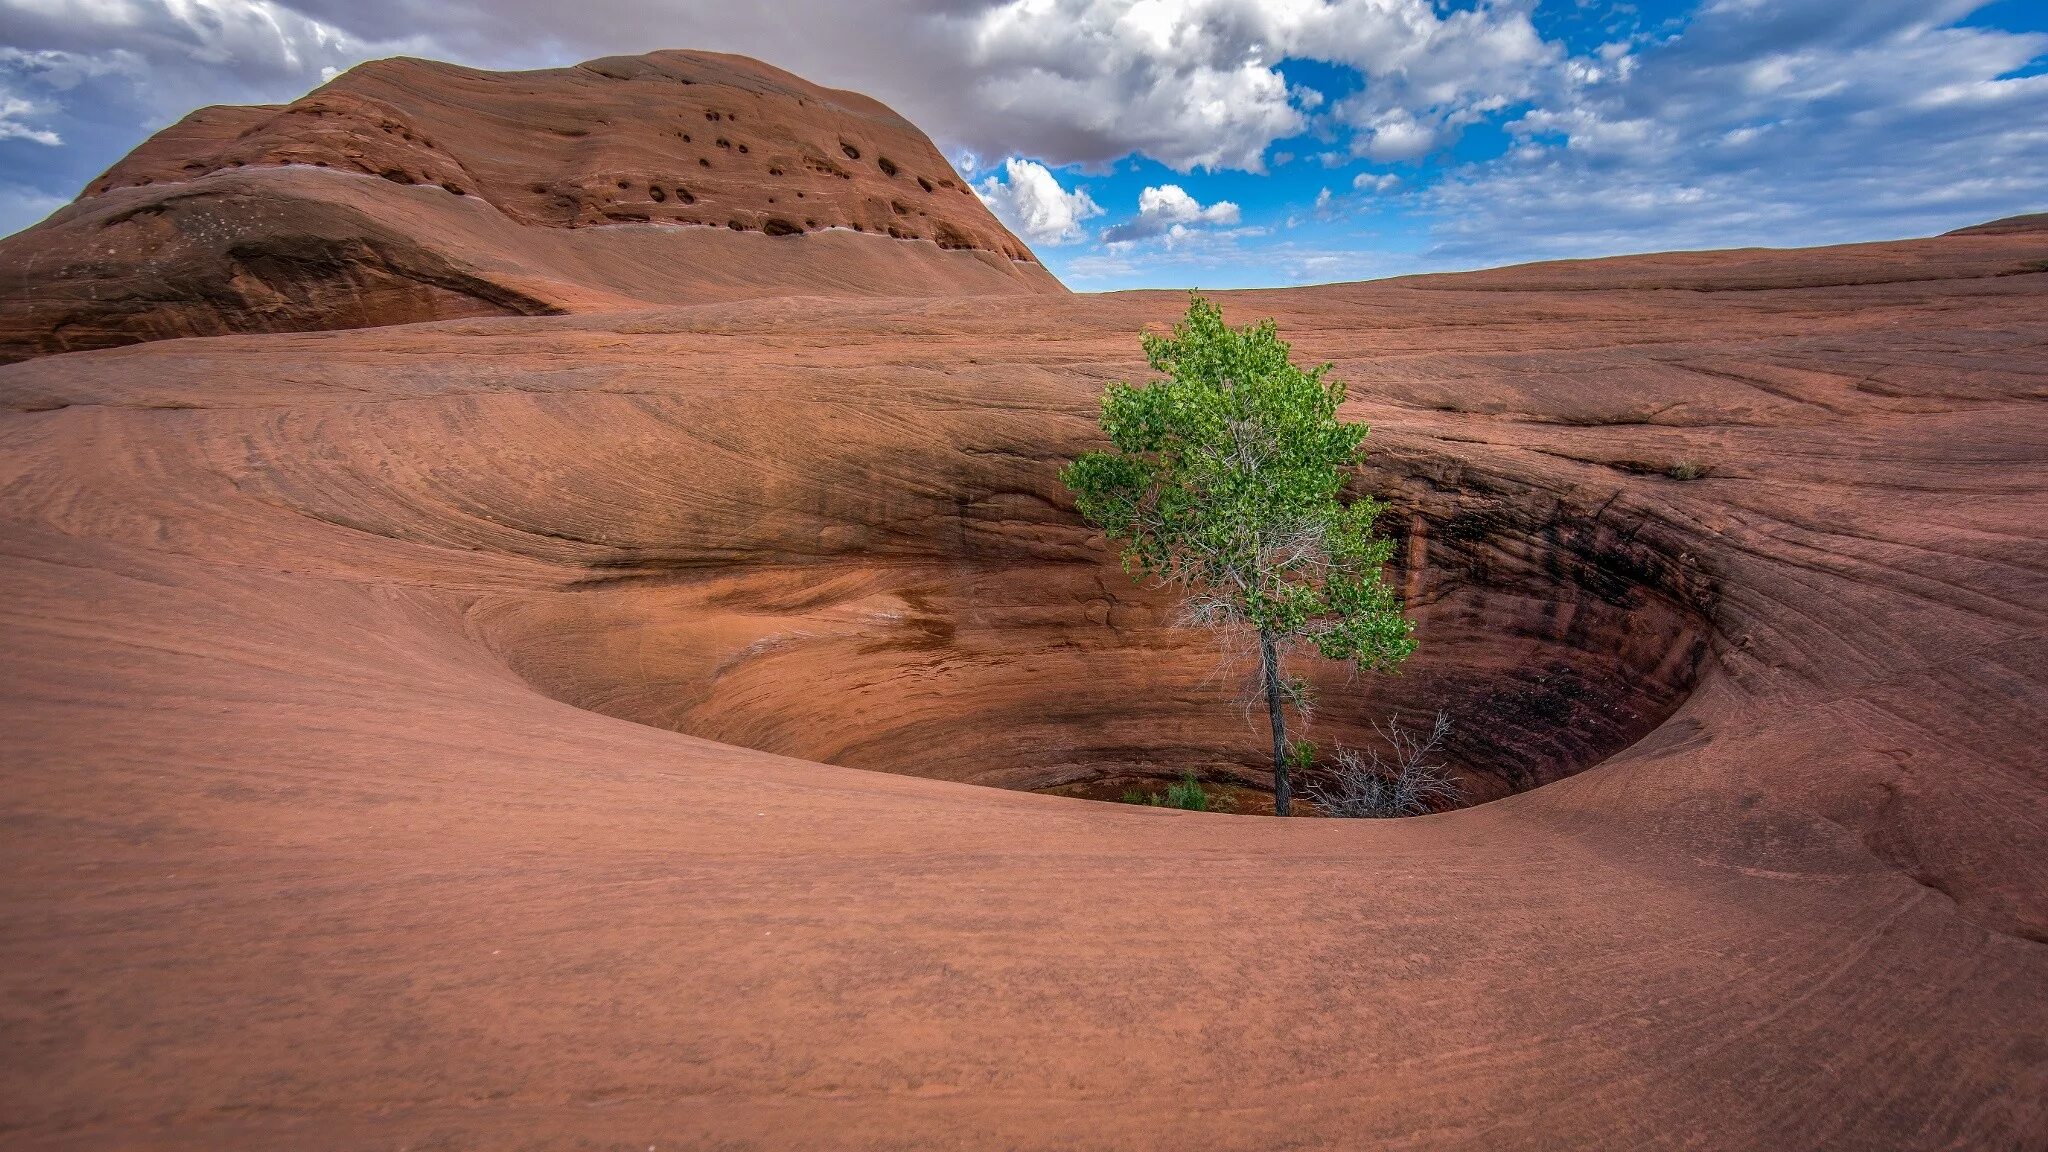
{"x": 1686, "y": 470}
{"x": 1185, "y": 793}
{"x": 1301, "y": 755}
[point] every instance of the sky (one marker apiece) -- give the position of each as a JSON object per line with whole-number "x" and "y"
{"x": 1218, "y": 143}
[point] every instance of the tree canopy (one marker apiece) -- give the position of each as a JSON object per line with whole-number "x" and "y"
{"x": 1226, "y": 478}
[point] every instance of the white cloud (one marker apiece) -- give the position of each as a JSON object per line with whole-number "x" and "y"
{"x": 50, "y": 74}
{"x": 1194, "y": 83}
{"x": 1090, "y": 81}
{"x": 1330, "y": 205}
{"x": 1169, "y": 211}
{"x": 1029, "y": 199}
{"x": 1393, "y": 135}
{"x": 1794, "y": 122}
{"x": 1428, "y": 75}
{"x": 180, "y": 52}
{"x": 15, "y": 114}
{"x": 1190, "y": 83}
{"x": 1749, "y": 121}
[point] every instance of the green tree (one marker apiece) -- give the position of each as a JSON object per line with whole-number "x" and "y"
{"x": 1226, "y": 480}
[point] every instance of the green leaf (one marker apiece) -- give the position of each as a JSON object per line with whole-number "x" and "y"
{"x": 1227, "y": 476}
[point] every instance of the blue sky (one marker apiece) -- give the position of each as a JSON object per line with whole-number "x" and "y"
{"x": 1220, "y": 143}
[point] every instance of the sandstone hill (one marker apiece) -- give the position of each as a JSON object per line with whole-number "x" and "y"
{"x": 409, "y": 190}
{"x": 562, "y": 730}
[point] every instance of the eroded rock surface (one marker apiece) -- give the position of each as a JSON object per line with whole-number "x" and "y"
{"x": 408, "y": 190}
{"x": 451, "y": 732}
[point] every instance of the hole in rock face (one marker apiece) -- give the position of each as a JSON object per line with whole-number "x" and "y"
{"x": 988, "y": 638}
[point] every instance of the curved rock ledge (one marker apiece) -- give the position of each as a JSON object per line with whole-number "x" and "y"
{"x": 295, "y": 844}
{"x": 299, "y": 851}
{"x": 1002, "y": 650}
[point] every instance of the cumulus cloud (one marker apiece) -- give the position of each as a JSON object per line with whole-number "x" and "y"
{"x": 1195, "y": 83}
{"x": 1091, "y": 81}
{"x": 177, "y": 54}
{"x": 1798, "y": 121}
{"x": 1395, "y": 134}
{"x": 1746, "y": 121}
{"x": 85, "y": 80}
{"x": 1429, "y": 75}
{"x": 50, "y": 76}
{"x": 1029, "y": 199}
{"x": 15, "y": 116}
{"x": 1191, "y": 83}
{"x": 1170, "y": 212}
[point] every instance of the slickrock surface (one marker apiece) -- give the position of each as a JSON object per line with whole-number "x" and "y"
{"x": 409, "y": 190}
{"x": 329, "y": 823}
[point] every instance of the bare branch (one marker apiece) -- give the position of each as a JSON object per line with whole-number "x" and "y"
{"x": 1409, "y": 784}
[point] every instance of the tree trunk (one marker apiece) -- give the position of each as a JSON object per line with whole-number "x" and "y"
{"x": 1283, "y": 793}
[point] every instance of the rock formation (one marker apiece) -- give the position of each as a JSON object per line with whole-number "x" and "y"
{"x": 453, "y": 733}
{"x": 408, "y": 190}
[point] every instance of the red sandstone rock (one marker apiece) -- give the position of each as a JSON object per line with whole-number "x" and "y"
{"x": 327, "y": 826}
{"x": 407, "y": 190}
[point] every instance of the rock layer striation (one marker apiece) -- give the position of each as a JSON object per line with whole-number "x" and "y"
{"x": 453, "y": 733}
{"x": 408, "y": 190}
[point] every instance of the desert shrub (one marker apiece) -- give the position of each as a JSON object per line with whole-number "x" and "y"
{"x": 1187, "y": 793}
{"x": 1407, "y": 782}
{"x": 1184, "y": 793}
{"x": 1687, "y": 470}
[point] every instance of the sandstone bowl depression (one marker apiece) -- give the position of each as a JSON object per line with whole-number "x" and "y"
{"x": 985, "y": 638}
{"x": 452, "y": 731}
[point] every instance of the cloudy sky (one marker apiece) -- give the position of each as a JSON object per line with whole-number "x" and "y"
{"x": 1220, "y": 143}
